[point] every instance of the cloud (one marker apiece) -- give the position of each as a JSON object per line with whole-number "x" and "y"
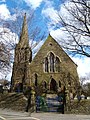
{"x": 7, "y": 36}
{"x": 83, "y": 65}
{"x": 37, "y": 47}
{"x": 5, "y": 13}
{"x": 62, "y": 37}
{"x": 58, "y": 34}
{"x": 33, "y": 3}
{"x": 54, "y": 20}
{"x": 51, "y": 13}
{"x": 2, "y": 1}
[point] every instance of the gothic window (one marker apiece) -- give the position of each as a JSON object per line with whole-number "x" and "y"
{"x": 44, "y": 84}
{"x": 35, "y": 79}
{"x": 57, "y": 64}
{"x": 18, "y": 55}
{"x": 17, "y": 58}
{"x": 59, "y": 84}
{"x": 46, "y": 64}
{"x": 28, "y": 54}
{"x": 21, "y": 55}
{"x": 51, "y": 62}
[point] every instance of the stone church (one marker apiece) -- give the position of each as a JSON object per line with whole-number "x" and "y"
{"x": 51, "y": 68}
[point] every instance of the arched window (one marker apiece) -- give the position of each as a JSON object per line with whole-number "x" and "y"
{"x": 51, "y": 62}
{"x": 46, "y": 64}
{"x": 57, "y": 64}
{"x": 59, "y": 84}
{"x": 44, "y": 84}
{"x": 35, "y": 79}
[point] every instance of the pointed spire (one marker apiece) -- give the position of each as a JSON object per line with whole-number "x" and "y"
{"x": 24, "y": 40}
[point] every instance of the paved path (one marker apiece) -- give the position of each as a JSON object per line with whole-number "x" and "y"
{"x": 12, "y": 115}
{"x": 55, "y": 116}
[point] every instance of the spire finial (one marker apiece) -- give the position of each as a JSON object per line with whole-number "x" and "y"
{"x": 25, "y": 14}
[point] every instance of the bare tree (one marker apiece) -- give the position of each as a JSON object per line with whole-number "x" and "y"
{"x": 4, "y": 49}
{"x": 83, "y": 80}
{"x": 4, "y": 58}
{"x": 7, "y": 43}
{"x": 75, "y": 22}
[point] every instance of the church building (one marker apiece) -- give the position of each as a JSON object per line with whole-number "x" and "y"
{"x": 50, "y": 69}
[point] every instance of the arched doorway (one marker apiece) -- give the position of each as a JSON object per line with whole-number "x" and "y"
{"x": 53, "y": 85}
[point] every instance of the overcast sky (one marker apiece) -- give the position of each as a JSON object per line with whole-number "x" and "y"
{"x": 46, "y": 14}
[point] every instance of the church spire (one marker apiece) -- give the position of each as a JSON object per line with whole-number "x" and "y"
{"x": 24, "y": 40}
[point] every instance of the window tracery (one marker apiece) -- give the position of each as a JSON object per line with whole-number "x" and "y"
{"x": 51, "y": 63}
{"x": 57, "y": 64}
{"x": 46, "y": 64}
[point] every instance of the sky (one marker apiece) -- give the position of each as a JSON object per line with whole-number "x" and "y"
{"x": 45, "y": 15}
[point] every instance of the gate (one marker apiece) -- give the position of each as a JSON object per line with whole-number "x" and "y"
{"x": 49, "y": 104}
